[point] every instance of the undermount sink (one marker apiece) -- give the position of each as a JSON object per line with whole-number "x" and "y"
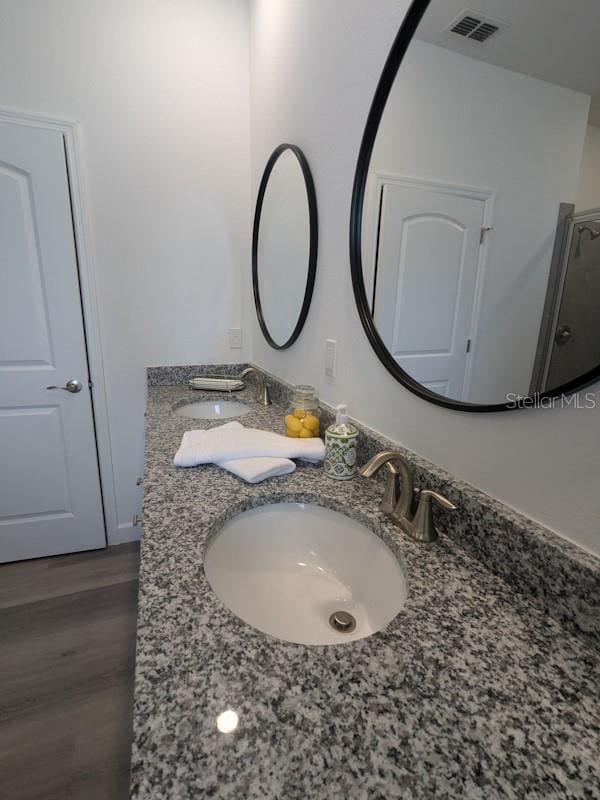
{"x": 209, "y": 409}
{"x": 305, "y": 574}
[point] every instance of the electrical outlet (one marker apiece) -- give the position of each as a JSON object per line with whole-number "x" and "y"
{"x": 330, "y": 357}
{"x": 235, "y": 338}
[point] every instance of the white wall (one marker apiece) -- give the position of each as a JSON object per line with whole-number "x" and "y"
{"x": 161, "y": 93}
{"x": 478, "y": 125}
{"x": 160, "y": 90}
{"x": 315, "y": 67}
{"x": 588, "y": 190}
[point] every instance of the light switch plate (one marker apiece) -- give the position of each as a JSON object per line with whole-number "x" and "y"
{"x": 235, "y": 338}
{"x": 330, "y": 357}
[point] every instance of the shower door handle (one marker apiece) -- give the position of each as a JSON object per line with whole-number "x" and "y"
{"x": 563, "y": 334}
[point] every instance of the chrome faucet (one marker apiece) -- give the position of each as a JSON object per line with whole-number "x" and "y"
{"x": 263, "y": 389}
{"x": 398, "y": 504}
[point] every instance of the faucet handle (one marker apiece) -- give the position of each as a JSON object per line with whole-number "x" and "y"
{"x": 424, "y": 529}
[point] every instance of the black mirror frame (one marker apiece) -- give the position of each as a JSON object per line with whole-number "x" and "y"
{"x": 313, "y": 245}
{"x": 392, "y": 65}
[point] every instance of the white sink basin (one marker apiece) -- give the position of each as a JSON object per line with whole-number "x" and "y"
{"x": 287, "y": 568}
{"x": 209, "y": 409}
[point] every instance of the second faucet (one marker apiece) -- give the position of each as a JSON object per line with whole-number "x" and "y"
{"x": 398, "y": 504}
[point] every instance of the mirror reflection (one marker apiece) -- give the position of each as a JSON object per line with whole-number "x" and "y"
{"x": 481, "y": 222}
{"x": 284, "y": 246}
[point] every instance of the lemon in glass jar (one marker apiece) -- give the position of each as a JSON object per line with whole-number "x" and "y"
{"x": 302, "y": 417}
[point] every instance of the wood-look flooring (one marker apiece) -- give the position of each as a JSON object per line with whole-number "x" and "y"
{"x": 67, "y": 656}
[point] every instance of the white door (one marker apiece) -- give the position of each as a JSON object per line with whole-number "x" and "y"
{"x": 426, "y": 276}
{"x": 50, "y": 499}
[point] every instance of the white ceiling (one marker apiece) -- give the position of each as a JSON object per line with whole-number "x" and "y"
{"x": 554, "y": 40}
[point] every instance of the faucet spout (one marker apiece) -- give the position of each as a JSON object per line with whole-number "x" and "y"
{"x": 398, "y": 507}
{"x": 263, "y": 389}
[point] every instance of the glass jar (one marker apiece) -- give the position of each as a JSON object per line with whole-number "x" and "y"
{"x": 302, "y": 418}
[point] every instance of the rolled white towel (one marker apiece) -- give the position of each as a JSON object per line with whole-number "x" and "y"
{"x": 233, "y": 442}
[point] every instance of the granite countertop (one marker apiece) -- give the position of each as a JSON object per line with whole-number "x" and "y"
{"x": 471, "y": 692}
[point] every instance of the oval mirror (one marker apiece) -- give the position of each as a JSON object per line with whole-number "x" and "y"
{"x": 284, "y": 246}
{"x": 475, "y": 226}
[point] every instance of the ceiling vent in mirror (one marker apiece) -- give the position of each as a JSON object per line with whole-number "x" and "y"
{"x": 475, "y": 26}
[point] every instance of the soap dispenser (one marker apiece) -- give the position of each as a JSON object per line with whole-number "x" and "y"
{"x": 341, "y": 441}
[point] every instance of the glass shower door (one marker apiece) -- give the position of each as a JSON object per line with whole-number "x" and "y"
{"x": 576, "y": 342}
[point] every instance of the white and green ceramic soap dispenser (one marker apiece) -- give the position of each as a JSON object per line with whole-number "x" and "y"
{"x": 341, "y": 441}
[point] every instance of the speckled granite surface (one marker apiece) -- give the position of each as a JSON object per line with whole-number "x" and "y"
{"x": 471, "y": 692}
{"x": 561, "y": 578}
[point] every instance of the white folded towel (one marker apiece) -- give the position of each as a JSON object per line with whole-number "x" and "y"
{"x": 233, "y": 442}
{"x": 247, "y": 452}
{"x": 255, "y": 470}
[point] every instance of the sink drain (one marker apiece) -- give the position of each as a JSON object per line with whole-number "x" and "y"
{"x": 342, "y": 621}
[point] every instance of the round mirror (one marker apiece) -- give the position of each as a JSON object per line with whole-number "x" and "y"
{"x": 284, "y": 246}
{"x": 475, "y": 226}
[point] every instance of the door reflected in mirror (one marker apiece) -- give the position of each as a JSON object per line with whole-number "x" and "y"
{"x": 284, "y": 246}
{"x": 480, "y": 230}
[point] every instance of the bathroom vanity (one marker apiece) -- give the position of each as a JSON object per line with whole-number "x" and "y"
{"x": 479, "y": 687}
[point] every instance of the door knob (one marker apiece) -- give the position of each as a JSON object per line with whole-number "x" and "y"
{"x": 72, "y": 386}
{"x": 563, "y": 334}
